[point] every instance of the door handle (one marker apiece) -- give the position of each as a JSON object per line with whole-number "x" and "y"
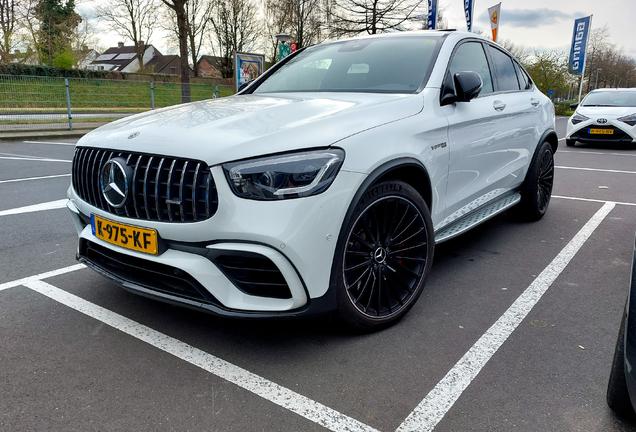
{"x": 534, "y": 102}
{"x": 498, "y": 105}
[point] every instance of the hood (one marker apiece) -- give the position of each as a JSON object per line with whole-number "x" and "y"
{"x": 612, "y": 112}
{"x": 238, "y": 127}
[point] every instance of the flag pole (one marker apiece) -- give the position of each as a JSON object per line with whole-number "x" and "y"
{"x": 585, "y": 58}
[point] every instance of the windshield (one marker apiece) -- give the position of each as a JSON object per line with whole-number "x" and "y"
{"x": 610, "y": 99}
{"x": 386, "y": 65}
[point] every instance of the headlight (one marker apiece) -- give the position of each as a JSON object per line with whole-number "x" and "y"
{"x": 286, "y": 176}
{"x": 578, "y": 118}
{"x": 630, "y": 119}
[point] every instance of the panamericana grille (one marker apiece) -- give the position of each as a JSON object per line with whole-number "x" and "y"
{"x": 162, "y": 188}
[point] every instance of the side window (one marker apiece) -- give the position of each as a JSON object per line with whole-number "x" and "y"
{"x": 506, "y": 75}
{"x": 470, "y": 57}
{"x": 524, "y": 79}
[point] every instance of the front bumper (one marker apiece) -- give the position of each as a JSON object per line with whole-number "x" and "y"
{"x": 294, "y": 238}
{"x": 621, "y": 132}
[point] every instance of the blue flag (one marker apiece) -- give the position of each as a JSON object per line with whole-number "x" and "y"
{"x": 579, "y": 43}
{"x": 468, "y": 10}
{"x": 432, "y": 14}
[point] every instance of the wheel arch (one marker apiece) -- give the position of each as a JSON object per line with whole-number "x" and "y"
{"x": 550, "y": 137}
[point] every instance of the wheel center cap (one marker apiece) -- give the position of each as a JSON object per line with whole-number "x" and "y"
{"x": 379, "y": 255}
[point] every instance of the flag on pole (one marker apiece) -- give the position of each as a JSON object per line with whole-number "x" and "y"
{"x": 579, "y": 44}
{"x": 432, "y": 15}
{"x": 494, "y": 13}
{"x": 469, "y": 5}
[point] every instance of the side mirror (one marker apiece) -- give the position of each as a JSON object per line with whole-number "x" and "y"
{"x": 574, "y": 106}
{"x": 467, "y": 85}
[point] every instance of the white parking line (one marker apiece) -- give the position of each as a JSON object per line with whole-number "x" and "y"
{"x": 597, "y": 152}
{"x": 34, "y": 178}
{"x": 444, "y": 395}
{"x": 41, "y": 276}
{"x": 51, "y": 205}
{"x": 295, "y": 402}
{"x": 593, "y": 200}
{"x": 48, "y": 142}
{"x": 34, "y": 159}
{"x": 596, "y": 169}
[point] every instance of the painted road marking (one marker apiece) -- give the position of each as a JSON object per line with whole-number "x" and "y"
{"x": 34, "y": 178}
{"x": 51, "y": 205}
{"x": 439, "y": 400}
{"x": 596, "y": 169}
{"x": 49, "y": 142}
{"x": 295, "y": 402}
{"x": 41, "y": 276}
{"x": 593, "y": 200}
{"x": 34, "y": 159}
{"x": 597, "y": 153}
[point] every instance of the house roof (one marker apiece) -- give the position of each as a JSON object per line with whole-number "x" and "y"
{"x": 120, "y": 56}
{"x": 158, "y": 63}
{"x": 212, "y": 60}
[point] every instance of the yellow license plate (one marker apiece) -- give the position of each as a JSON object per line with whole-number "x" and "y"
{"x": 126, "y": 236}
{"x": 602, "y": 131}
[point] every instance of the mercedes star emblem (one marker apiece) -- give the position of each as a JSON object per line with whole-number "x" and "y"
{"x": 114, "y": 182}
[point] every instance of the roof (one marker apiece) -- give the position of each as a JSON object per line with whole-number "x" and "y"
{"x": 212, "y": 60}
{"x": 158, "y": 63}
{"x": 120, "y": 56}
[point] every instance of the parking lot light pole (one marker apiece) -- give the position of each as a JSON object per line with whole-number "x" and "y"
{"x": 596, "y": 83}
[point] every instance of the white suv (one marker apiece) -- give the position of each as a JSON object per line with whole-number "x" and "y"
{"x": 322, "y": 186}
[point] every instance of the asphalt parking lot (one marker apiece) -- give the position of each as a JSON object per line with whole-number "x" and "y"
{"x": 514, "y": 331}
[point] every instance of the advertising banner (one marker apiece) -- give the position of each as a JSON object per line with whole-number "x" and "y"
{"x": 469, "y": 5}
{"x": 579, "y": 43}
{"x": 432, "y": 15}
{"x": 494, "y": 13}
{"x": 247, "y": 67}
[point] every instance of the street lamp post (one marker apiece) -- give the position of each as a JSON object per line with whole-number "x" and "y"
{"x": 596, "y": 83}
{"x": 282, "y": 38}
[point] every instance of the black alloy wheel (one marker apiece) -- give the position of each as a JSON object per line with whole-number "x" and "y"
{"x": 545, "y": 180}
{"x": 386, "y": 257}
{"x": 536, "y": 190}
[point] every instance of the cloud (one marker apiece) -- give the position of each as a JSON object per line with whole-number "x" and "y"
{"x": 530, "y": 18}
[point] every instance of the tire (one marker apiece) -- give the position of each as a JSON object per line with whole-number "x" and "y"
{"x": 570, "y": 143}
{"x": 537, "y": 187}
{"x": 386, "y": 256}
{"x": 617, "y": 393}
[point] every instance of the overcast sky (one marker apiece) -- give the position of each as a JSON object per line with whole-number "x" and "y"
{"x": 540, "y": 24}
{"x": 548, "y": 24}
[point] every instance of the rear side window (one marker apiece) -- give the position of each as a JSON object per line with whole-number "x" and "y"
{"x": 471, "y": 57}
{"x": 524, "y": 81}
{"x": 506, "y": 75}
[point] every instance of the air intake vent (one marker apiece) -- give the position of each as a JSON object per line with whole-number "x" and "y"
{"x": 254, "y": 275}
{"x": 162, "y": 188}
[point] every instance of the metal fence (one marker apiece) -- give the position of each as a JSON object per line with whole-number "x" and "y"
{"x": 29, "y": 102}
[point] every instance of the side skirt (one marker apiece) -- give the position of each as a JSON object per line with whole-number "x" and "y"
{"x": 476, "y": 217}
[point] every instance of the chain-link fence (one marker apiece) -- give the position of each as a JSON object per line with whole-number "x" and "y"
{"x": 29, "y": 102}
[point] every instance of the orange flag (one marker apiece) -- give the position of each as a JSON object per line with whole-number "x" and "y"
{"x": 495, "y": 14}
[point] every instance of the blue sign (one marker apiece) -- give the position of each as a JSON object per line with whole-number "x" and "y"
{"x": 550, "y": 92}
{"x": 468, "y": 11}
{"x": 579, "y": 43}
{"x": 432, "y": 14}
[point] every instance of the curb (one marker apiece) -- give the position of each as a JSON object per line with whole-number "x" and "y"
{"x": 29, "y": 135}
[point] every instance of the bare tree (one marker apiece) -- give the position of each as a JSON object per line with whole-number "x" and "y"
{"x": 134, "y": 20}
{"x": 30, "y": 26}
{"x": 235, "y": 27}
{"x": 353, "y": 17}
{"x": 198, "y": 14}
{"x": 8, "y": 20}
{"x": 181, "y": 16}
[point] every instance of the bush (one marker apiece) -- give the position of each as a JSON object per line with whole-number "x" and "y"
{"x": 563, "y": 109}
